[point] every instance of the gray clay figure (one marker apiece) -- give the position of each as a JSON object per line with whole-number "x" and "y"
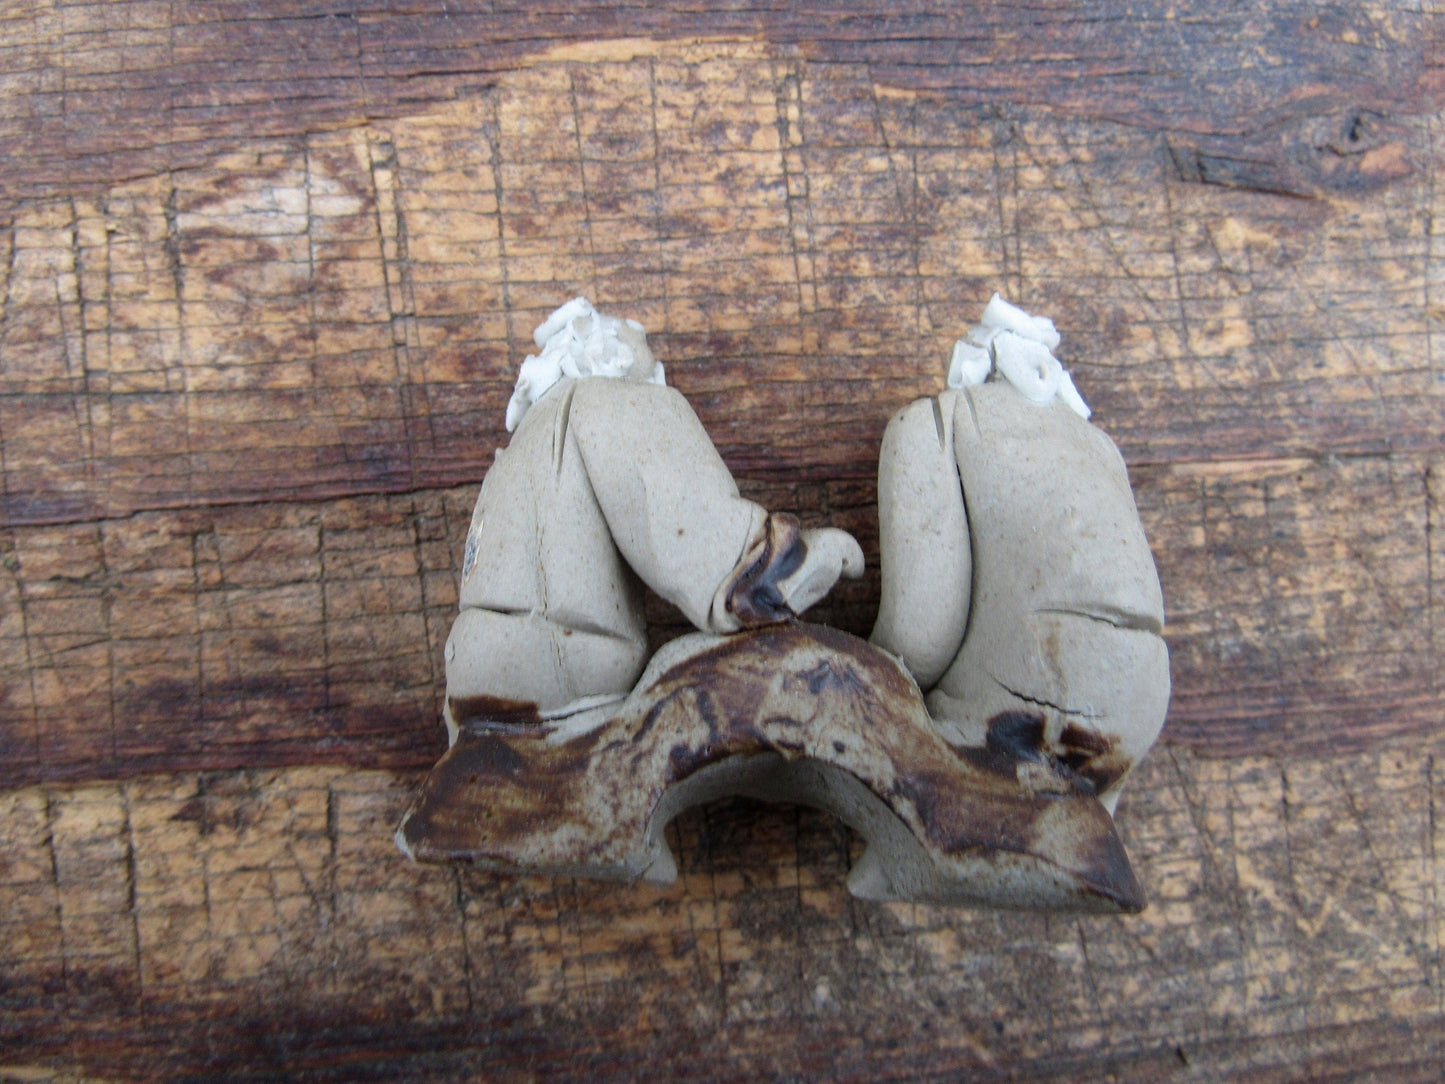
{"x": 1017, "y": 590}
{"x": 610, "y": 482}
{"x": 1017, "y": 582}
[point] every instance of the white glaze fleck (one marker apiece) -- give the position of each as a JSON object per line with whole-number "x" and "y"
{"x": 576, "y": 341}
{"x": 970, "y": 364}
{"x": 1028, "y": 365}
{"x": 1010, "y": 343}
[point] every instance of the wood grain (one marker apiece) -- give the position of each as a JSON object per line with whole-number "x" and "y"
{"x": 267, "y": 273}
{"x": 96, "y": 92}
{"x": 341, "y": 313}
{"x": 169, "y": 925}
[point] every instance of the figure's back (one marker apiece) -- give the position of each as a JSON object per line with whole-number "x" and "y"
{"x": 539, "y": 542}
{"x": 550, "y": 613}
{"x": 1048, "y": 497}
{"x": 1066, "y": 610}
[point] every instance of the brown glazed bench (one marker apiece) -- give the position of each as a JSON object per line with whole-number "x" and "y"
{"x": 795, "y": 712}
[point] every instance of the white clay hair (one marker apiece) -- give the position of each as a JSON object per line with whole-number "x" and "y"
{"x": 578, "y": 341}
{"x": 1009, "y": 343}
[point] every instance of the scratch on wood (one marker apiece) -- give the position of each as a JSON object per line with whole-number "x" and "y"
{"x": 132, "y": 908}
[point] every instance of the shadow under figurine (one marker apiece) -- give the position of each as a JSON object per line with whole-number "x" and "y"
{"x": 1017, "y": 589}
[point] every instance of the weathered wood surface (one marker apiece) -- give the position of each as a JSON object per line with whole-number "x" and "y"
{"x": 267, "y": 273}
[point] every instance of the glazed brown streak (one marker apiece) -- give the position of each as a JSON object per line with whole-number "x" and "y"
{"x": 754, "y": 598}
{"x": 787, "y": 700}
{"x": 488, "y": 712}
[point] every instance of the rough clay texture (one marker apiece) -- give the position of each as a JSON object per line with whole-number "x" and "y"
{"x": 1054, "y": 664}
{"x": 611, "y": 485}
{"x": 1054, "y": 609}
{"x": 607, "y": 484}
{"x": 268, "y": 275}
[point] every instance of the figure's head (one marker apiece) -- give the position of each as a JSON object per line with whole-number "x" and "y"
{"x": 578, "y": 341}
{"x": 1010, "y": 344}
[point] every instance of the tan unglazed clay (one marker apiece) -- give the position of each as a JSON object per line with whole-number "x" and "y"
{"x": 1017, "y": 578}
{"x": 610, "y": 482}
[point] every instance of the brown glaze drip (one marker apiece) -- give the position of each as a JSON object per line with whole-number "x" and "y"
{"x": 753, "y": 597}
{"x": 471, "y": 796}
{"x": 483, "y": 713}
{"x": 1013, "y": 737}
{"x": 1082, "y": 740}
{"x": 1088, "y": 762}
{"x": 1016, "y": 735}
{"x": 1096, "y": 758}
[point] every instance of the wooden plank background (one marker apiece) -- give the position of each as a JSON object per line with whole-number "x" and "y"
{"x": 267, "y": 274}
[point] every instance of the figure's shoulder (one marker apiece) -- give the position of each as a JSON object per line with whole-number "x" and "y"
{"x": 996, "y": 415}
{"x": 626, "y": 394}
{"x": 602, "y": 407}
{"x": 929, "y": 419}
{"x": 922, "y": 411}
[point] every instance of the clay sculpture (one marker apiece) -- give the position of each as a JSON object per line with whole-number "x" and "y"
{"x": 1017, "y": 582}
{"x": 610, "y": 482}
{"x": 1045, "y": 682}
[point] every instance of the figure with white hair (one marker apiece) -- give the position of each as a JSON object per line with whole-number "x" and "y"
{"x": 1018, "y": 591}
{"x": 610, "y": 482}
{"x": 1017, "y": 584}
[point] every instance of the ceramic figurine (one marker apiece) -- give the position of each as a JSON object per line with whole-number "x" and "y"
{"x": 610, "y": 482}
{"x": 1039, "y": 648}
{"x": 1017, "y": 582}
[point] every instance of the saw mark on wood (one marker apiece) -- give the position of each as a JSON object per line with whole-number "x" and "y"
{"x": 1434, "y": 826}
{"x": 1382, "y": 878}
{"x": 907, "y": 196}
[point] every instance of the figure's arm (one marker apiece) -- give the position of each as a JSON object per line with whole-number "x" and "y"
{"x": 923, "y": 541}
{"x": 677, "y": 518}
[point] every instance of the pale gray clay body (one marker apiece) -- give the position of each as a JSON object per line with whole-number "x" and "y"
{"x": 1018, "y": 587}
{"x": 611, "y": 482}
{"x": 1016, "y": 577}
{"x": 1018, "y": 592}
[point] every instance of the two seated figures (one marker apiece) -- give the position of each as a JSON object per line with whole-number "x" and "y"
{"x": 978, "y": 743}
